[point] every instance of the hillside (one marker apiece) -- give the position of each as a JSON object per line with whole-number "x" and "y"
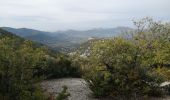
{"x": 4, "y": 33}
{"x": 31, "y": 34}
{"x": 119, "y": 68}
{"x": 24, "y": 63}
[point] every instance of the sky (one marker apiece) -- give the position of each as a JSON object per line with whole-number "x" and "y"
{"x": 53, "y": 15}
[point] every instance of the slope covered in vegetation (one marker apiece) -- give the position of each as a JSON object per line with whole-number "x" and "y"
{"x": 130, "y": 66}
{"x": 24, "y": 63}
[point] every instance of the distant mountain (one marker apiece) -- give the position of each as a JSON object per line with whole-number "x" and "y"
{"x": 37, "y": 36}
{"x": 83, "y": 36}
{"x": 19, "y": 40}
{"x": 31, "y": 34}
{"x": 66, "y": 40}
{"x": 4, "y": 33}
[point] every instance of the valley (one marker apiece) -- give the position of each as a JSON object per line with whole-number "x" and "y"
{"x": 84, "y": 49}
{"x": 66, "y": 41}
{"x": 86, "y": 65}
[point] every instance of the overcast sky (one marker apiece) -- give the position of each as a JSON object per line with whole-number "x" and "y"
{"x": 53, "y": 15}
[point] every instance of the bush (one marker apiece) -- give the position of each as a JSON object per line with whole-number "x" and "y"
{"x": 63, "y": 95}
{"x": 131, "y": 66}
{"x": 61, "y": 67}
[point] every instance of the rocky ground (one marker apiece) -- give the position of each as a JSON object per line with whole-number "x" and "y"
{"x": 77, "y": 87}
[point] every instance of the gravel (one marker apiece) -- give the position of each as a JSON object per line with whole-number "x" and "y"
{"x": 76, "y": 87}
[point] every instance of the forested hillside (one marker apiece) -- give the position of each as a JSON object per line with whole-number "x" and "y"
{"x": 23, "y": 63}
{"x": 132, "y": 66}
{"x": 84, "y": 49}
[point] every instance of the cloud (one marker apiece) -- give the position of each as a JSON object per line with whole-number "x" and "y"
{"x": 78, "y": 14}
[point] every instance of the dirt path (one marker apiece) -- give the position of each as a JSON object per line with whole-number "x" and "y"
{"x": 76, "y": 87}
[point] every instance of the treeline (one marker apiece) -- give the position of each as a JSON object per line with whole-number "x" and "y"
{"x": 23, "y": 64}
{"x": 132, "y": 65}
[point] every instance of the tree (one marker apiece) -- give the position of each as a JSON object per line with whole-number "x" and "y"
{"x": 133, "y": 66}
{"x": 17, "y": 64}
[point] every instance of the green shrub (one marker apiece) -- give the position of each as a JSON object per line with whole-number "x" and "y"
{"x": 131, "y": 66}
{"x": 63, "y": 95}
{"x": 61, "y": 68}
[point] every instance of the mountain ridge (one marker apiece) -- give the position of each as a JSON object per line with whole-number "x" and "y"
{"x": 65, "y": 40}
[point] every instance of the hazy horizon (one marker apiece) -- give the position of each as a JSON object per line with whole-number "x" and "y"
{"x": 55, "y": 15}
{"x": 95, "y": 28}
